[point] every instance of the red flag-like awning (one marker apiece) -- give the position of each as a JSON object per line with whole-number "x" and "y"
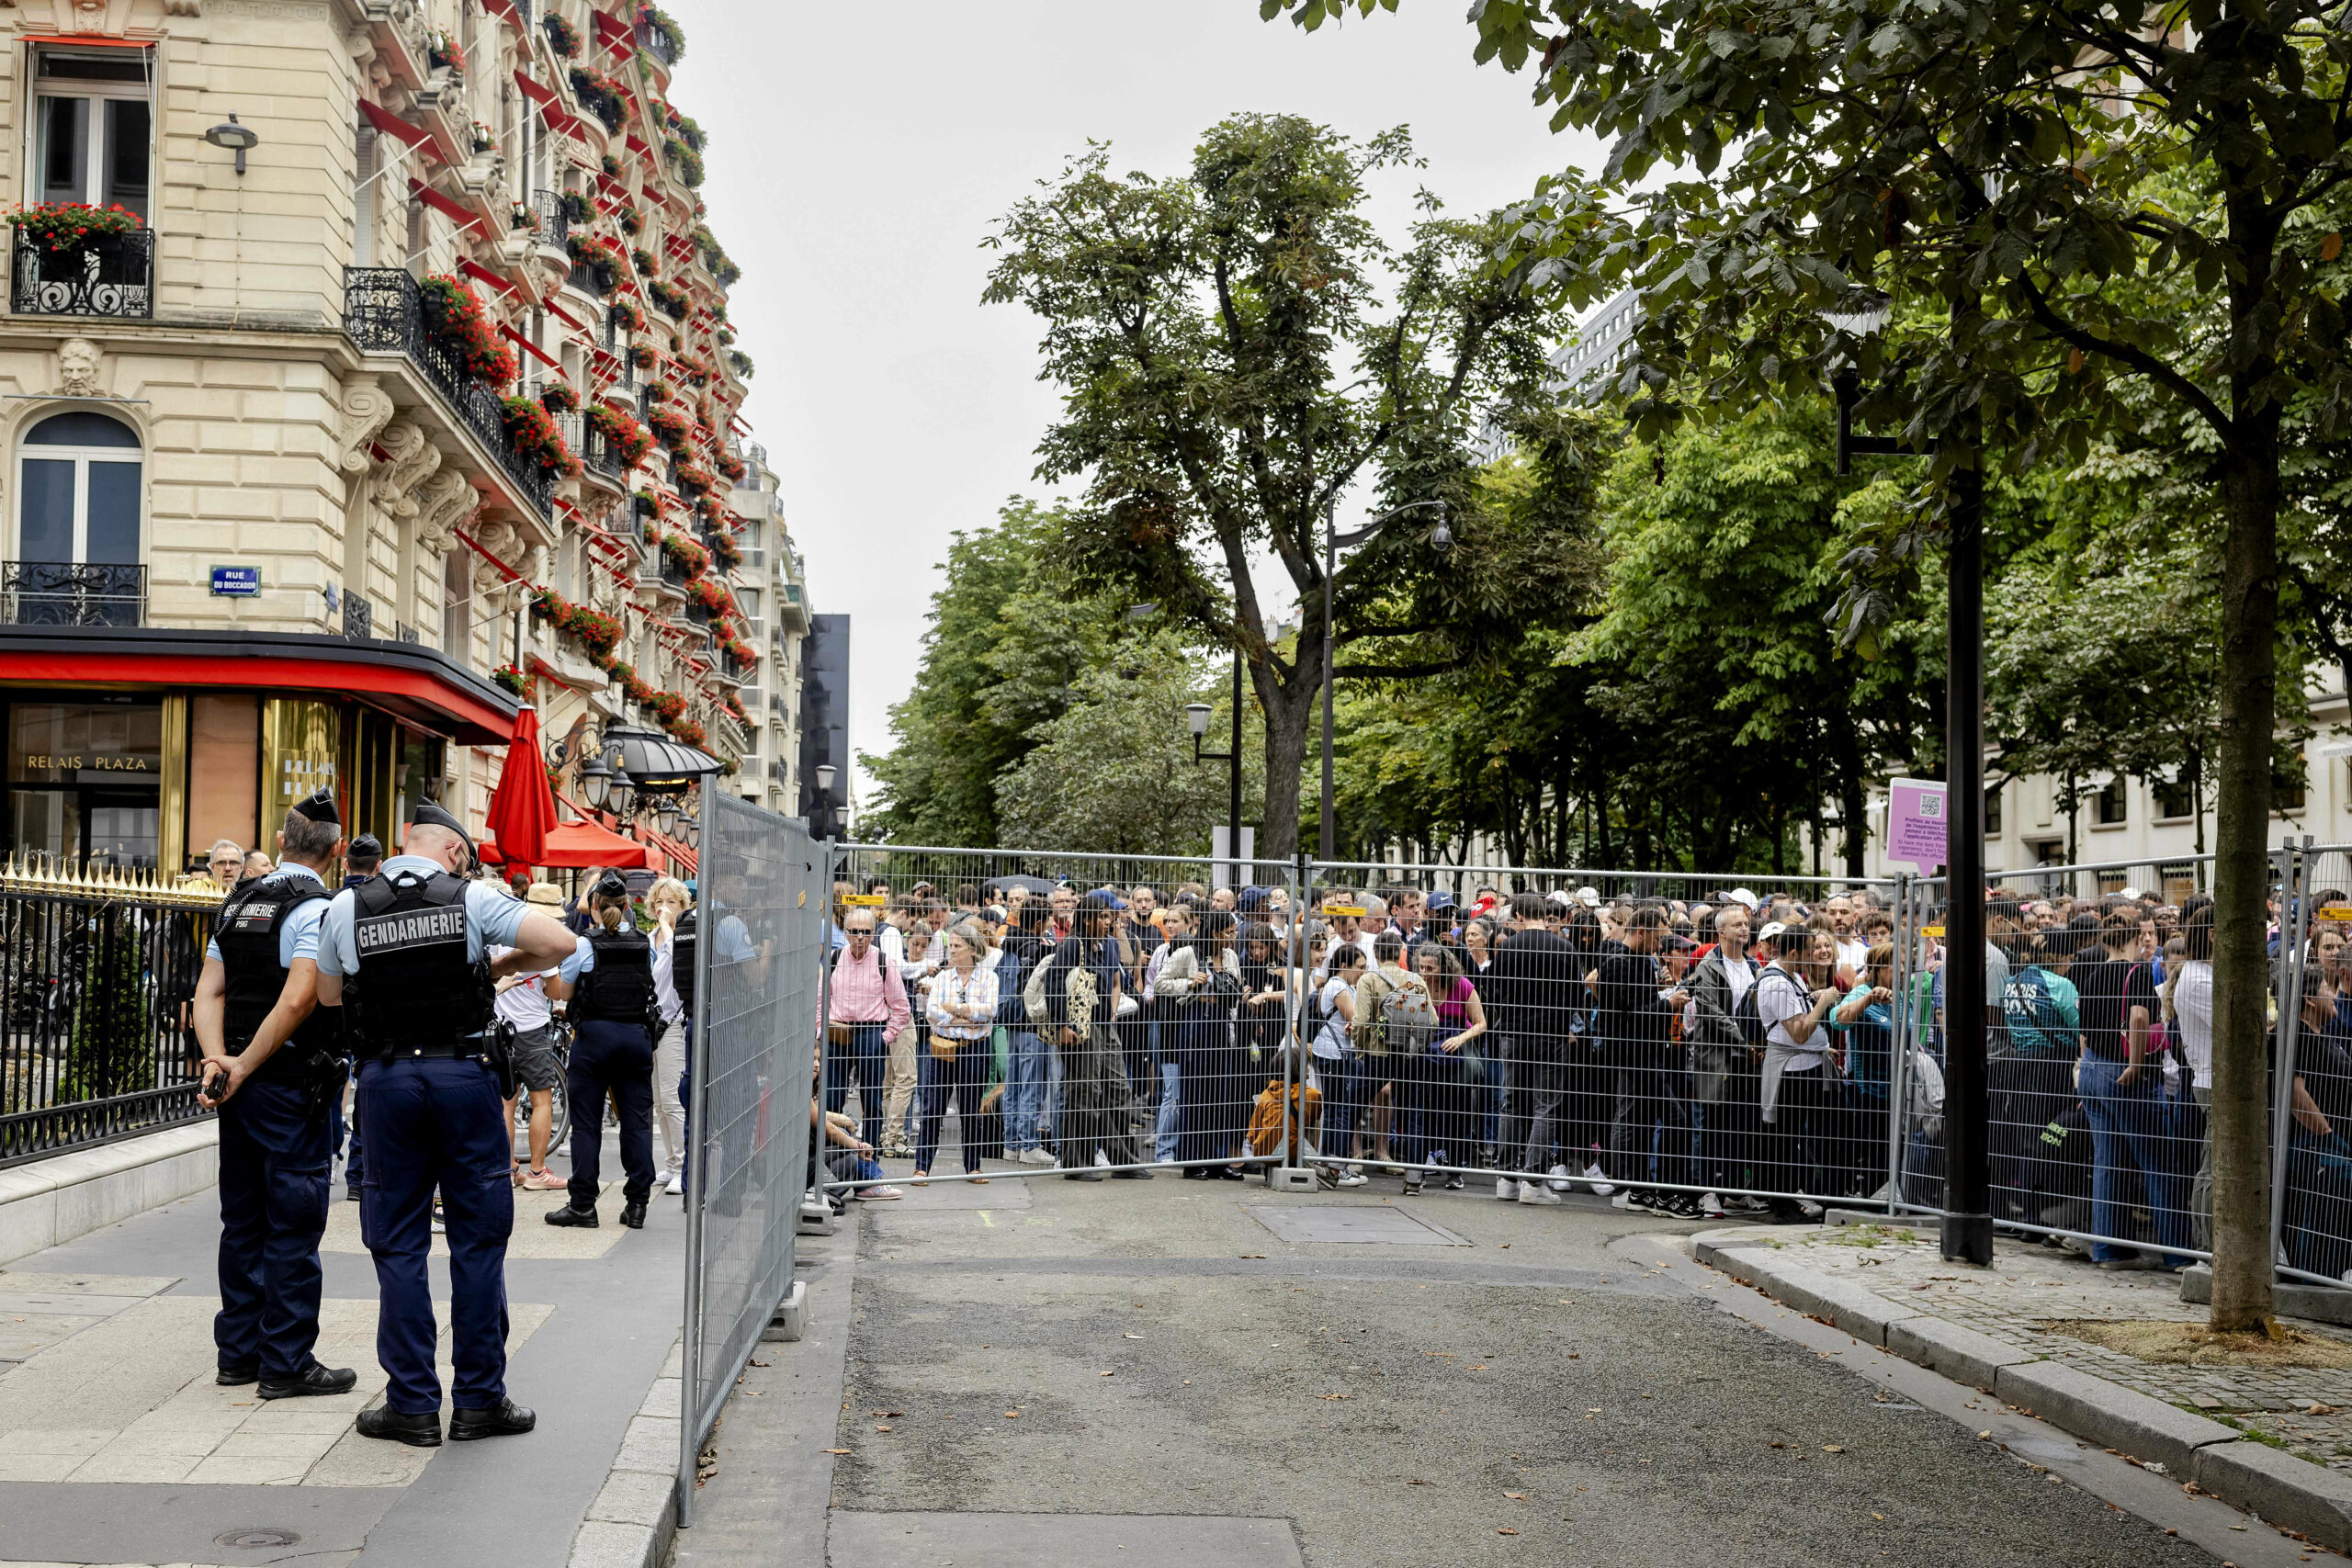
{"x": 393, "y": 125}
{"x": 613, "y": 30}
{"x": 533, "y": 90}
{"x": 522, "y": 814}
{"x": 439, "y": 203}
{"x": 534, "y": 350}
{"x": 481, "y": 274}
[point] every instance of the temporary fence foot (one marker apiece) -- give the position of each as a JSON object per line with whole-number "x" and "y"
{"x": 1290, "y": 1178}
{"x": 791, "y": 1315}
{"x": 816, "y": 1216}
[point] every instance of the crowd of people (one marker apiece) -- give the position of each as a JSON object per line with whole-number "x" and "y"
{"x": 1723, "y": 1054}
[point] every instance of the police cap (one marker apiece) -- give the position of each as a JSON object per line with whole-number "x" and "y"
{"x": 428, "y": 815}
{"x": 367, "y": 846}
{"x": 319, "y": 806}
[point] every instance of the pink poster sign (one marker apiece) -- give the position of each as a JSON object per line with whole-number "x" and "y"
{"x": 1915, "y": 823}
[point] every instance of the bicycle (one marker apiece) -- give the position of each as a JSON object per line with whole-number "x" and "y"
{"x": 558, "y": 1104}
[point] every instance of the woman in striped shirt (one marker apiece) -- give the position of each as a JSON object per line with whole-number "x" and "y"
{"x": 962, "y": 1010}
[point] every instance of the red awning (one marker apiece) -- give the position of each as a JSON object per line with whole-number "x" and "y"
{"x": 534, "y": 350}
{"x": 505, "y": 8}
{"x": 534, "y": 91}
{"x": 480, "y": 273}
{"x": 634, "y": 145}
{"x": 439, "y": 203}
{"x": 404, "y": 688}
{"x": 560, "y": 314}
{"x": 614, "y": 31}
{"x": 393, "y": 125}
{"x": 577, "y": 845}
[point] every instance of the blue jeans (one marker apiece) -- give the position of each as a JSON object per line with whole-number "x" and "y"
{"x": 1025, "y": 1089}
{"x": 866, "y": 1062}
{"x": 2129, "y": 1149}
{"x": 1164, "y": 1125}
{"x": 1342, "y": 1083}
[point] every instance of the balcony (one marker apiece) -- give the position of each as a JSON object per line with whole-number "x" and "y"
{"x": 106, "y": 275}
{"x": 655, "y": 42}
{"x": 71, "y": 593}
{"x": 382, "y": 313}
{"x": 552, "y": 229}
{"x": 601, "y": 458}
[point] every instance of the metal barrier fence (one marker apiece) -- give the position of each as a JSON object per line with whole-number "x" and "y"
{"x": 1615, "y": 1052}
{"x": 96, "y": 972}
{"x": 759, "y": 919}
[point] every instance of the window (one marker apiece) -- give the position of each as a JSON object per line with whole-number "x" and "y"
{"x": 2173, "y": 798}
{"x": 2112, "y": 806}
{"x": 92, "y": 128}
{"x": 77, "y": 492}
{"x": 1992, "y": 811}
{"x": 2289, "y": 783}
{"x": 456, "y": 590}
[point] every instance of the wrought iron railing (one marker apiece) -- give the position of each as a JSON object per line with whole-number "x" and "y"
{"x": 105, "y": 275}
{"x": 671, "y": 573}
{"x": 552, "y": 227}
{"x": 602, "y": 457}
{"x": 383, "y": 314}
{"x": 655, "y": 42}
{"x": 97, "y": 974}
{"x": 71, "y": 593}
{"x": 358, "y": 617}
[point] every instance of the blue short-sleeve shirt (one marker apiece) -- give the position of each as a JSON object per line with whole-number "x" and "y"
{"x": 492, "y": 920}
{"x": 298, "y": 937}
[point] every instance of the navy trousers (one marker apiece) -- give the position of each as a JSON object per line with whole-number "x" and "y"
{"x": 437, "y": 1122}
{"x": 274, "y": 1175}
{"x": 615, "y": 1057}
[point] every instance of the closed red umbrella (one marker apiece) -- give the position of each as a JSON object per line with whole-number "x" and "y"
{"x": 521, "y": 813}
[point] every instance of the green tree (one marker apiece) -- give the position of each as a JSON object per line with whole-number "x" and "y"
{"x": 2067, "y": 198}
{"x": 1230, "y": 371}
{"x": 1115, "y": 772}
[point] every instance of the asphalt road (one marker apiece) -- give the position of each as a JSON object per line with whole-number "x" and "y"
{"x": 1528, "y": 1397}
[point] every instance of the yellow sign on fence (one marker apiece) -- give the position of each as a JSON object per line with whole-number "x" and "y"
{"x": 864, "y": 900}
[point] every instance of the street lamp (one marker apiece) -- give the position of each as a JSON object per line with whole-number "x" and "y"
{"x": 235, "y": 137}
{"x": 821, "y": 820}
{"x": 623, "y": 794}
{"x": 1967, "y": 1230}
{"x": 1440, "y": 539}
{"x": 595, "y": 781}
{"x": 667, "y": 815}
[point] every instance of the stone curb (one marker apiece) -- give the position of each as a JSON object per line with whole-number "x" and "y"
{"x": 2273, "y": 1484}
{"x": 46, "y": 1202}
{"x": 635, "y": 1515}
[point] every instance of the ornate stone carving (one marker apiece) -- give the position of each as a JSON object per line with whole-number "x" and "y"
{"x": 77, "y": 369}
{"x": 360, "y": 417}
{"x": 412, "y": 459}
{"x": 444, "y": 503}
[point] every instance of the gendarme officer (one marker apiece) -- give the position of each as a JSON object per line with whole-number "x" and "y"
{"x": 615, "y": 1017}
{"x": 271, "y": 1060}
{"x": 431, "y": 1113}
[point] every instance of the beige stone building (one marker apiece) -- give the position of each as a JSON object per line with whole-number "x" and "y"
{"x": 282, "y": 499}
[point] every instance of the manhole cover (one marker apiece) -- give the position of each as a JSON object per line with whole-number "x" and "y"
{"x": 251, "y": 1538}
{"x": 1364, "y": 1226}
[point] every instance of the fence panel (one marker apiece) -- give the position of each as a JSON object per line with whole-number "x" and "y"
{"x": 2314, "y": 1211}
{"x": 759, "y": 918}
{"x": 95, "y": 978}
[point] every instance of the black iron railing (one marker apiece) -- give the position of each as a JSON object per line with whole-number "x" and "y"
{"x": 358, "y": 617}
{"x": 671, "y": 573}
{"x": 552, "y": 229}
{"x": 71, "y": 593}
{"x": 94, "y": 1038}
{"x": 602, "y": 457}
{"x": 655, "y": 42}
{"x": 383, "y": 314}
{"x": 106, "y": 275}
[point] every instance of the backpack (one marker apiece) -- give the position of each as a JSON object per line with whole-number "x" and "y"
{"x": 1370, "y": 1034}
{"x": 1744, "y": 1014}
{"x": 1081, "y": 997}
{"x": 1033, "y": 995}
{"x": 1410, "y": 1019}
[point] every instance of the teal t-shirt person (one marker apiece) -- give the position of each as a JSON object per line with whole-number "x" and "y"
{"x": 2043, "y": 1012}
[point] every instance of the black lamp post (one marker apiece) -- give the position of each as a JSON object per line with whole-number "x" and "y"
{"x": 1440, "y": 536}
{"x": 824, "y": 824}
{"x": 1196, "y": 715}
{"x": 1967, "y": 1230}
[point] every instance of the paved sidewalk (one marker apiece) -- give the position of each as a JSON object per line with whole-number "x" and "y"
{"x": 2032, "y": 1286}
{"x": 116, "y": 1447}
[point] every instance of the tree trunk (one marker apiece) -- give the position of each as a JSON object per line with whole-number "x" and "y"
{"x": 1849, "y": 802}
{"x": 2239, "y": 1123}
{"x": 1287, "y": 710}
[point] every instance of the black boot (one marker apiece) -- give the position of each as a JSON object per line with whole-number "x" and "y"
{"x": 568, "y": 1215}
{"x": 503, "y": 1419}
{"x": 633, "y": 1216}
{"x": 237, "y": 1377}
{"x": 314, "y": 1379}
{"x": 417, "y": 1431}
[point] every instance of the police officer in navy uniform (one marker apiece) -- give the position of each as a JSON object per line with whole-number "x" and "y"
{"x": 415, "y": 937}
{"x": 614, "y": 1016}
{"x": 268, "y": 1054}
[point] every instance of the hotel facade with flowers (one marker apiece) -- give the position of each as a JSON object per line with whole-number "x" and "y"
{"x": 367, "y": 373}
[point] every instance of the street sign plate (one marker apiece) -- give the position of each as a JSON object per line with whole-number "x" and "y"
{"x": 236, "y": 581}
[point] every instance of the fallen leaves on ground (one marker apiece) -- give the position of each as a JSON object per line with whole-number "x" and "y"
{"x": 1505, "y": 1530}
{"x": 836, "y": 1451}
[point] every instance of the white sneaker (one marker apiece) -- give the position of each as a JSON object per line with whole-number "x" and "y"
{"x": 1353, "y": 1178}
{"x": 1102, "y": 1160}
{"x": 677, "y": 1185}
{"x": 1711, "y": 1206}
{"x": 1560, "y": 1182}
{"x": 1808, "y": 1208}
{"x": 1602, "y": 1186}
{"x": 1507, "y": 1189}
{"x": 1536, "y": 1192}
{"x": 1037, "y": 1156}
{"x": 1623, "y": 1201}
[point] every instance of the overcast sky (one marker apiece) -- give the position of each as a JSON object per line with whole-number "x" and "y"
{"x": 860, "y": 154}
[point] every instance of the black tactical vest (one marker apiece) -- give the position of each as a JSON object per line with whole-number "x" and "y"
{"x": 681, "y": 961}
{"x": 252, "y": 919}
{"x": 619, "y": 990}
{"x": 420, "y": 989}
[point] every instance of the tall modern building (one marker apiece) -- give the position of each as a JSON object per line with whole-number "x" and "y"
{"x": 824, "y": 724}
{"x": 366, "y": 374}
